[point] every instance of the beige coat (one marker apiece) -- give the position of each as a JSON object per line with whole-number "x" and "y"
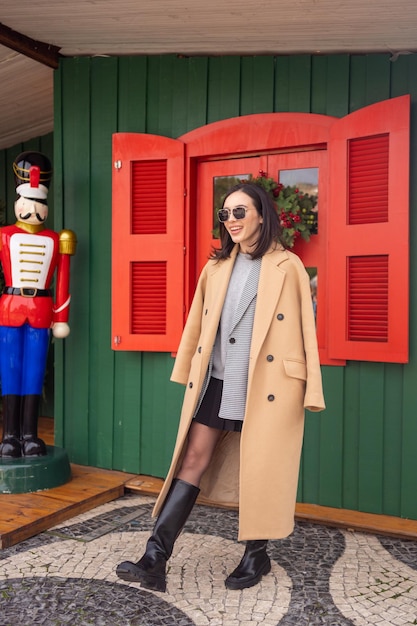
{"x": 258, "y": 468}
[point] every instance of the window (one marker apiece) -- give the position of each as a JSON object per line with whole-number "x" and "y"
{"x": 359, "y": 272}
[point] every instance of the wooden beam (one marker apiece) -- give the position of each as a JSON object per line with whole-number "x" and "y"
{"x": 37, "y": 50}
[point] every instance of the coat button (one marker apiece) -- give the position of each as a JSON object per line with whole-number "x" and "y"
{"x": 271, "y": 397}
{"x": 270, "y": 357}
{"x": 190, "y": 385}
{"x": 280, "y": 316}
{"x": 232, "y": 340}
{"x": 205, "y": 312}
{"x": 199, "y": 349}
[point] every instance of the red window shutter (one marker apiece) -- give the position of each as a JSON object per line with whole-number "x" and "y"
{"x": 369, "y": 233}
{"x": 147, "y": 242}
{"x": 367, "y": 301}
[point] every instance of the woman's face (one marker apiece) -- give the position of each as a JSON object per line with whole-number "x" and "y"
{"x": 245, "y": 232}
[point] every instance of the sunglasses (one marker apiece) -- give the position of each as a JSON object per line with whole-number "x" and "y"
{"x": 238, "y": 213}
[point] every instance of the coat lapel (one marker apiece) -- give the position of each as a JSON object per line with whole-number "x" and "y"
{"x": 219, "y": 280}
{"x": 271, "y": 281}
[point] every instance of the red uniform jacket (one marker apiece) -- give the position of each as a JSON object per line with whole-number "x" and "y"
{"x": 29, "y": 260}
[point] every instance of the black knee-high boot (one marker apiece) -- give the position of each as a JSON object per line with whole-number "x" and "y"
{"x": 255, "y": 563}
{"x": 150, "y": 570}
{"x": 10, "y": 446}
{"x": 31, "y": 444}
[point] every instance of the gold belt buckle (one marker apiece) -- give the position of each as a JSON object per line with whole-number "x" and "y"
{"x": 24, "y": 290}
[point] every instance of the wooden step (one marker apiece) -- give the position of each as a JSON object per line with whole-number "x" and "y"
{"x": 328, "y": 516}
{"x": 25, "y": 515}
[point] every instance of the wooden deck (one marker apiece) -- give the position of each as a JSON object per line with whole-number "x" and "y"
{"x": 25, "y": 515}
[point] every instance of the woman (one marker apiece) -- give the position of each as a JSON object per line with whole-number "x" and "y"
{"x": 248, "y": 357}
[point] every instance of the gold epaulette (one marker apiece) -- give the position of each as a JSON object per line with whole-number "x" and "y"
{"x": 67, "y": 242}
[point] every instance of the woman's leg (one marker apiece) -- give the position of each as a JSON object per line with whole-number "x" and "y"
{"x": 202, "y": 441}
{"x": 150, "y": 570}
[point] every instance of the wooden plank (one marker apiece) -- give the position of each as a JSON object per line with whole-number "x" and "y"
{"x": 351, "y": 418}
{"x": 147, "y": 485}
{"x": 257, "y": 88}
{"x": 223, "y": 88}
{"x": 42, "y": 520}
{"x": 158, "y": 435}
{"x": 160, "y": 95}
{"x": 328, "y": 516}
{"x": 127, "y": 400}
{"x": 408, "y": 413}
{"x": 377, "y": 77}
{"x": 58, "y": 348}
{"x": 371, "y": 437}
{"x": 319, "y": 84}
{"x": 101, "y": 386}
{"x": 198, "y": 86}
{"x": 72, "y": 383}
{"x": 357, "y": 79}
{"x": 299, "y": 84}
{"x": 180, "y": 98}
{"x": 337, "y": 85}
{"x": 25, "y": 515}
{"x": 330, "y": 475}
{"x": 132, "y": 94}
{"x": 132, "y": 105}
{"x": 309, "y": 487}
{"x": 282, "y": 84}
{"x": 355, "y": 520}
{"x": 392, "y": 443}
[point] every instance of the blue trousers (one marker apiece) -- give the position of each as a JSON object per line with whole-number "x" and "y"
{"x": 23, "y": 354}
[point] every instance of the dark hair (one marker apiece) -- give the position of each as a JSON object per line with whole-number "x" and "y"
{"x": 270, "y": 228}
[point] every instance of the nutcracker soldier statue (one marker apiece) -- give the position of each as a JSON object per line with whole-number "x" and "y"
{"x": 30, "y": 256}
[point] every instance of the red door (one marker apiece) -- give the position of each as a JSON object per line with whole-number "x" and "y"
{"x": 305, "y": 170}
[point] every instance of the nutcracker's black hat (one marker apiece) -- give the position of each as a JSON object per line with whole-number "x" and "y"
{"x": 32, "y": 173}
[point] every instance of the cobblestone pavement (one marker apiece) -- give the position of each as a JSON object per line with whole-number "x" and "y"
{"x": 320, "y": 575}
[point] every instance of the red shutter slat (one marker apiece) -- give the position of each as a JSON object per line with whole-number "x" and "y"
{"x": 149, "y": 197}
{"x": 149, "y": 298}
{"x": 368, "y": 179}
{"x": 368, "y": 298}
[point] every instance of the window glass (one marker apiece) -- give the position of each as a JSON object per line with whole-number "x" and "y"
{"x": 306, "y": 181}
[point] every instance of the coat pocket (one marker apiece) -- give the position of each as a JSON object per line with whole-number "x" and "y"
{"x": 295, "y": 369}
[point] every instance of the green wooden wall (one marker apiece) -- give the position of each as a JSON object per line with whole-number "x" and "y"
{"x": 119, "y": 410}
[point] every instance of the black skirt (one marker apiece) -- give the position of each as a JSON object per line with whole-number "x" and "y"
{"x": 208, "y": 413}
